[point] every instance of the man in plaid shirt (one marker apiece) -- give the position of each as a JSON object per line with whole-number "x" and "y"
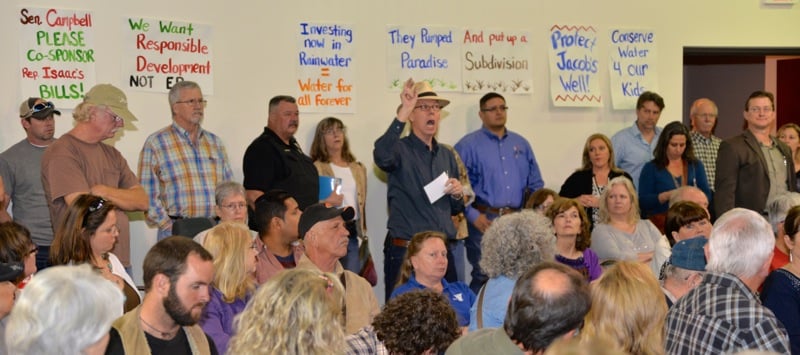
{"x": 723, "y": 314}
{"x": 181, "y": 164}
{"x": 703, "y": 115}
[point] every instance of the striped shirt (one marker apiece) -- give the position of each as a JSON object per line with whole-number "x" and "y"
{"x": 706, "y": 150}
{"x": 179, "y": 176}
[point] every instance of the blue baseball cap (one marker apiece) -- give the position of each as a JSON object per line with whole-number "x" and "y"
{"x": 689, "y": 254}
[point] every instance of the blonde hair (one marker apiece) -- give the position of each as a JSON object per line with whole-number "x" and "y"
{"x": 84, "y": 111}
{"x": 628, "y": 309}
{"x": 296, "y": 312}
{"x": 580, "y": 346}
{"x": 796, "y": 128}
{"x": 587, "y": 162}
{"x": 230, "y": 243}
{"x": 633, "y": 214}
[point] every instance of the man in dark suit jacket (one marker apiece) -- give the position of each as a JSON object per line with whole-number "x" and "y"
{"x": 753, "y": 166}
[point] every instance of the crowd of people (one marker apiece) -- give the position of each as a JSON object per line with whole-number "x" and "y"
{"x": 657, "y": 244}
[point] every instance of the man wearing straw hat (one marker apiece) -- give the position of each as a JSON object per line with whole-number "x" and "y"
{"x": 413, "y": 164}
{"x": 79, "y": 162}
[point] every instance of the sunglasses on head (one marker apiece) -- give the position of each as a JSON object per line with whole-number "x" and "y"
{"x": 39, "y": 107}
{"x": 93, "y": 207}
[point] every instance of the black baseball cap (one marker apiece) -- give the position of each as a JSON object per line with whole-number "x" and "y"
{"x": 320, "y": 212}
{"x": 10, "y": 271}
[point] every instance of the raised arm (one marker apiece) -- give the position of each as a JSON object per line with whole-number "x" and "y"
{"x": 384, "y": 150}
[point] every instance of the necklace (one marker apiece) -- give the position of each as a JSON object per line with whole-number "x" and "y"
{"x": 103, "y": 258}
{"x": 164, "y": 335}
{"x": 597, "y": 191}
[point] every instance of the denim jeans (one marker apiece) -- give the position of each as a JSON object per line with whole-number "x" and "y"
{"x": 473, "y": 246}
{"x": 392, "y": 260}
{"x": 455, "y": 261}
{"x": 43, "y": 257}
{"x": 350, "y": 261}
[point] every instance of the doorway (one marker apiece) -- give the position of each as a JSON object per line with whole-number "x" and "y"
{"x": 727, "y": 76}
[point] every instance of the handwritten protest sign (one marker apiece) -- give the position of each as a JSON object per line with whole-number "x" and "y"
{"x": 57, "y": 54}
{"x": 163, "y": 52}
{"x": 423, "y": 53}
{"x": 325, "y": 68}
{"x": 497, "y": 60}
{"x": 574, "y": 78}
{"x": 632, "y": 68}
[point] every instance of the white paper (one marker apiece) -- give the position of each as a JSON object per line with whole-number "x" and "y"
{"x": 435, "y": 189}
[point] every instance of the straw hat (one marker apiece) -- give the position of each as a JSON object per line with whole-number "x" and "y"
{"x": 425, "y": 91}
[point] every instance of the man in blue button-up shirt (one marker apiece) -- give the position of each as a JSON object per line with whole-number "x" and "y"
{"x": 502, "y": 170}
{"x": 633, "y": 146}
{"x": 411, "y": 163}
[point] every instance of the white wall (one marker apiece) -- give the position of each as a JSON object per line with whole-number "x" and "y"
{"x": 255, "y": 46}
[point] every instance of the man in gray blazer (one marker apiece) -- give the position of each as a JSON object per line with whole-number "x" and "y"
{"x": 754, "y": 166}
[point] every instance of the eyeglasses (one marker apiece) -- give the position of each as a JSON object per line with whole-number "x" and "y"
{"x": 337, "y": 130}
{"x": 765, "y": 109}
{"x": 706, "y": 115}
{"x": 235, "y": 206}
{"x": 434, "y": 108}
{"x": 39, "y": 108}
{"x": 193, "y": 102}
{"x": 114, "y": 116}
{"x": 495, "y": 108}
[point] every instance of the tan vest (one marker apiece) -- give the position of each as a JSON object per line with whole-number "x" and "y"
{"x": 360, "y": 301}
{"x": 135, "y": 342}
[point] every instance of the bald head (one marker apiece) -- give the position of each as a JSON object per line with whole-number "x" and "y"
{"x": 689, "y": 193}
{"x": 548, "y": 302}
{"x": 550, "y": 283}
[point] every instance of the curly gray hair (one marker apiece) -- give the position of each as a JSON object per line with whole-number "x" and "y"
{"x": 515, "y": 243}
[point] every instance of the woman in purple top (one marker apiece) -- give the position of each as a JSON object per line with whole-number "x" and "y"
{"x": 573, "y": 237}
{"x": 234, "y": 254}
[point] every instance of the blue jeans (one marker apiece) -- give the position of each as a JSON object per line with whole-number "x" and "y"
{"x": 455, "y": 261}
{"x": 43, "y": 257}
{"x": 473, "y": 244}
{"x": 351, "y": 261}
{"x": 392, "y": 260}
